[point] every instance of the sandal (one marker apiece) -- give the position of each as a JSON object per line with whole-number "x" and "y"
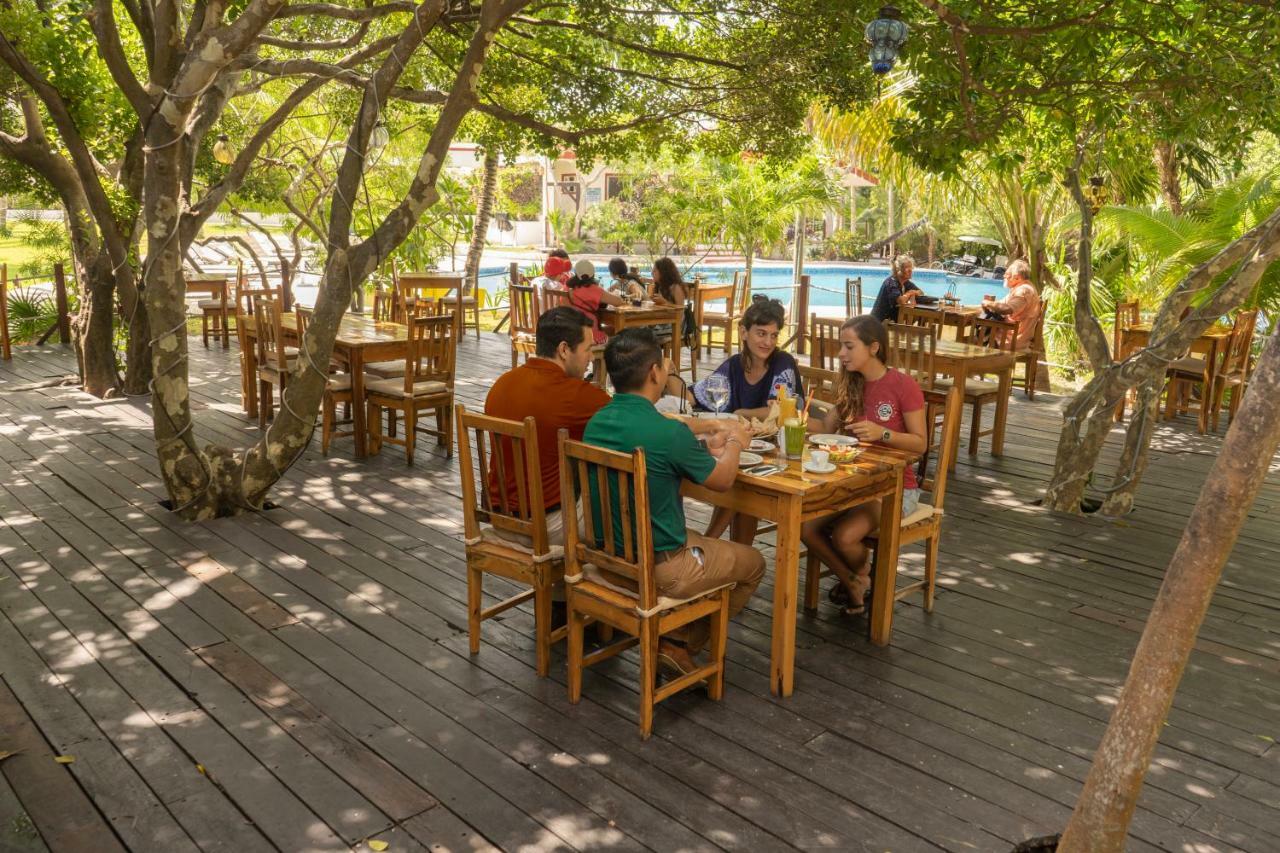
{"x": 850, "y": 608}
{"x": 838, "y": 594}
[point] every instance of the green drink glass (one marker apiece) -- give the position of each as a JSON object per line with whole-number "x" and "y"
{"x": 793, "y": 437}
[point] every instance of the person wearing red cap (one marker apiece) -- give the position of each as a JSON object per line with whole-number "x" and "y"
{"x": 558, "y": 266}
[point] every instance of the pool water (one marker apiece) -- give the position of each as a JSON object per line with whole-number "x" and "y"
{"x": 826, "y": 282}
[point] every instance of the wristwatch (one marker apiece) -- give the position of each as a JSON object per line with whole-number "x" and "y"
{"x": 886, "y": 435}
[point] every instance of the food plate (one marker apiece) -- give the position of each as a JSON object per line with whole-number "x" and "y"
{"x": 813, "y": 467}
{"x": 761, "y": 446}
{"x": 746, "y": 459}
{"x": 833, "y": 440}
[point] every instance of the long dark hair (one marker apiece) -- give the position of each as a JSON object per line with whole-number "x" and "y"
{"x": 852, "y": 383}
{"x": 666, "y": 275}
{"x": 581, "y": 281}
{"x": 762, "y": 311}
{"x": 619, "y": 270}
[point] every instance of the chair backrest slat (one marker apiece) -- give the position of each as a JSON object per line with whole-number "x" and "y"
{"x": 742, "y": 285}
{"x": 384, "y": 305}
{"x": 1127, "y": 316}
{"x": 853, "y": 296}
{"x": 824, "y": 341}
{"x": 996, "y": 334}
{"x": 432, "y": 351}
{"x": 514, "y": 446}
{"x": 953, "y": 412}
{"x": 1236, "y": 359}
{"x": 912, "y": 316}
{"x": 635, "y": 559}
{"x": 269, "y": 326}
{"x": 524, "y": 310}
{"x": 912, "y": 349}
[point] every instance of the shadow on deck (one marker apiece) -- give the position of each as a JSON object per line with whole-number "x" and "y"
{"x": 300, "y": 680}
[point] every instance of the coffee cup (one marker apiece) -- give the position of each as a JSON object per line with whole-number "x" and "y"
{"x": 648, "y": 303}
{"x": 819, "y": 458}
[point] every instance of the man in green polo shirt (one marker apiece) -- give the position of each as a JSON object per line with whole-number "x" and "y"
{"x": 686, "y": 563}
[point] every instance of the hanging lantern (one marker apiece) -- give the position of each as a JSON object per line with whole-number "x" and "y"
{"x": 222, "y": 151}
{"x": 1096, "y": 194}
{"x": 886, "y": 35}
{"x": 378, "y": 137}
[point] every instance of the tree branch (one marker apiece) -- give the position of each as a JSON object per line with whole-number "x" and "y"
{"x": 328, "y": 10}
{"x": 103, "y": 21}
{"x": 648, "y": 50}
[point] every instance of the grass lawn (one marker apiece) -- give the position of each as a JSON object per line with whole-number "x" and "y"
{"x": 15, "y": 249}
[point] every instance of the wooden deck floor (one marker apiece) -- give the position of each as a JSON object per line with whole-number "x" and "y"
{"x": 300, "y": 680}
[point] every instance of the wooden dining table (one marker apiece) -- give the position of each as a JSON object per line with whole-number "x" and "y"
{"x": 1212, "y": 345}
{"x": 218, "y": 287}
{"x": 361, "y": 340}
{"x": 960, "y": 361}
{"x": 795, "y": 496}
{"x": 614, "y": 319}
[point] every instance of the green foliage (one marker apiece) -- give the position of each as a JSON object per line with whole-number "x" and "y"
{"x": 31, "y": 311}
{"x": 519, "y": 192}
{"x": 844, "y": 245}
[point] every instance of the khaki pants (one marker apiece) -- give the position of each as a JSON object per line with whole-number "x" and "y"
{"x": 684, "y": 575}
{"x": 555, "y": 532}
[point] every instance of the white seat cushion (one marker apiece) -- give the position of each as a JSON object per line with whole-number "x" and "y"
{"x": 489, "y": 534}
{"x": 593, "y": 574}
{"x": 340, "y": 382}
{"x": 1193, "y": 366}
{"x": 395, "y": 387}
{"x": 972, "y": 387}
{"x": 525, "y": 337}
{"x": 922, "y": 512}
{"x": 215, "y": 304}
{"x": 385, "y": 369}
{"x": 453, "y": 300}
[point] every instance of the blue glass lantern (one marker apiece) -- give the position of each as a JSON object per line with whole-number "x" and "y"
{"x": 886, "y": 35}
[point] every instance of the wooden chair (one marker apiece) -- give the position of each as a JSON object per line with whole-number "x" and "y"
{"x": 708, "y": 321}
{"x": 923, "y": 525}
{"x": 1191, "y": 372}
{"x": 1128, "y": 315}
{"x": 275, "y": 360}
{"x": 853, "y": 296}
{"x": 912, "y": 349}
{"x": 1030, "y": 357}
{"x": 1235, "y": 369}
{"x": 503, "y": 446}
{"x": 524, "y": 321}
{"x": 911, "y": 316}
{"x": 642, "y": 614}
{"x": 421, "y": 297}
{"x": 465, "y": 298}
{"x": 214, "y": 315}
{"x": 384, "y": 305}
{"x": 978, "y": 392}
{"x": 337, "y": 390}
{"x": 427, "y": 384}
{"x": 824, "y": 342}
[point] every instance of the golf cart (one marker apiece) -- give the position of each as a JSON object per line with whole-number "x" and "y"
{"x": 980, "y": 258}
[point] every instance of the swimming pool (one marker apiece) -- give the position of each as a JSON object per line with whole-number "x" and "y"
{"x": 826, "y": 282}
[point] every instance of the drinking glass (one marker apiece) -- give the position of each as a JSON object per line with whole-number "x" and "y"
{"x": 793, "y": 437}
{"x": 717, "y": 389}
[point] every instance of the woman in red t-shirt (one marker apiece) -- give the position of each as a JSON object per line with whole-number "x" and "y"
{"x": 586, "y": 294}
{"x": 875, "y": 404}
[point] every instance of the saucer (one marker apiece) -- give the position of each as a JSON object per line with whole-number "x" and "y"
{"x": 760, "y": 446}
{"x": 813, "y": 468}
{"x": 747, "y": 459}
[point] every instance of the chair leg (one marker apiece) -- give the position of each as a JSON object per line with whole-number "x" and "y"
{"x": 328, "y": 410}
{"x": 475, "y": 592}
{"x": 373, "y": 424}
{"x": 930, "y": 571}
{"x": 648, "y": 674}
{"x": 204, "y": 329}
{"x": 575, "y": 652}
{"x": 812, "y": 574}
{"x": 410, "y": 432}
{"x": 975, "y": 428}
{"x": 514, "y": 358}
{"x": 542, "y": 628}
{"x": 448, "y": 433}
{"x": 264, "y": 403}
{"x": 719, "y": 641}
{"x": 1237, "y": 391}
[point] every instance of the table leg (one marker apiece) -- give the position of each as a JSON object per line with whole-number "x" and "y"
{"x": 1002, "y": 411}
{"x": 786, "y": 590}
{"x": 677, "y": 333}
{"x": 355, "y": 362}
{"x": 959, "y": 379}
{"x": 886, "y": 584}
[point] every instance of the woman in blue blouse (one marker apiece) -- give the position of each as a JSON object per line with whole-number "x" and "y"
{"x": 897, "y": 291}
{"x": 754, "y": 376}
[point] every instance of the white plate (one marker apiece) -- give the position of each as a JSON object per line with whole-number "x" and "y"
{"x": 746, "y": 459}
{"x": 813, "y": 468}
{"x": 834, "y": 440}
{"x": 761, "y": 446}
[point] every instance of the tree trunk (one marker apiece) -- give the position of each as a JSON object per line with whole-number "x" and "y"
{"x": 1086, "y": 424}
{"x": 484, "y": 208}
{"x": 1166, "y": 160}
{"x": 1137, "y": 444}
{"x": 1101, "y": 818}
{"x": 92, "y": 327}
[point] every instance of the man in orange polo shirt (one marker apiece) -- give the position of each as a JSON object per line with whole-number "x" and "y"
{"x": 549, "y": 387}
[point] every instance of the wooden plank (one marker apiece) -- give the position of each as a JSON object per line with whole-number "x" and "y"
{"x": 58, "y": 809}
{"x": 18, "y": 833}
{"x": 385, "y": 787}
